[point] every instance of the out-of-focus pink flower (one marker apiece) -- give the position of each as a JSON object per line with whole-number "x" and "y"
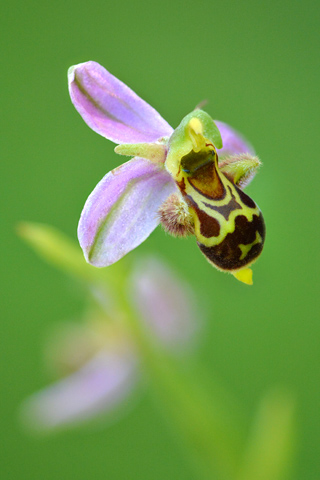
{"x": 167, "y": 307}
{"x": 100, "y": 359}
{"x": 95, "y": 389}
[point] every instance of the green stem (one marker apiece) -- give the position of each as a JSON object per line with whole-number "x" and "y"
{"x": 212, "y": 433}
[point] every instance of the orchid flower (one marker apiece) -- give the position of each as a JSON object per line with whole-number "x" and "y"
{"x": 99, "y": 358}
{"x": 175, "y": 177}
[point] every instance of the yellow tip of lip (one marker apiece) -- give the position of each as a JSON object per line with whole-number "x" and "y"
{"x": 244, "y": 276}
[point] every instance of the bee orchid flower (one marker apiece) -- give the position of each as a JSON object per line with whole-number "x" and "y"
{"x": 175, "y": 177}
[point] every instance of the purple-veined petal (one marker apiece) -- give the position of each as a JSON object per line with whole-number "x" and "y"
{"x": 233, "y": 142}
{"x": 121, "y": 212}
{"x": 166, "y": 303}
{"x": 96, "y": 389}
{"x": 111, "y": 108}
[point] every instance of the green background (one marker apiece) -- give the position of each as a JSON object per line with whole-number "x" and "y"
{"x": 256, "y": 64}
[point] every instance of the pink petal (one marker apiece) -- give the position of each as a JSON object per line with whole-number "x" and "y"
{"x": 95, "y": 389}
{"x": 111, "y": 108}
{"x": 121, "y": 212}
{"x": 165, "y": 302}
{"x": 233, "y": 142}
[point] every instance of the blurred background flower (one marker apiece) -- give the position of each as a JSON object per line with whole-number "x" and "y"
{"x": 98, "y": 357}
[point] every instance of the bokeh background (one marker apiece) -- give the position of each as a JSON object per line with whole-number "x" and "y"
{"x": 257, "y": 65}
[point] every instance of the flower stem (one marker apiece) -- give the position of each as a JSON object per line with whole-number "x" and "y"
{"x": 211, "y": 432}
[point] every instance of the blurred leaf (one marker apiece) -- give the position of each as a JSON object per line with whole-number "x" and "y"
{"x": 270, "y": 447}
{"x": 60, "y": 251}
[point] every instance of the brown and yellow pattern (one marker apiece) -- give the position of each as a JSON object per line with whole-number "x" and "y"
{"x": 228, "y": 225}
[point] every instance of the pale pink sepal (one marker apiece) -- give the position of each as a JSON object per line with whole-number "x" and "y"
{"x": 122, "y": 210}
{"x": 233, "y": 142}
{"x": 111, "y": 108}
